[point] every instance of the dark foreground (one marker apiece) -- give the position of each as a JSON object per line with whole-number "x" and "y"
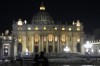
{"x": 56, "y": 60}
{"x": 30, "y": 63}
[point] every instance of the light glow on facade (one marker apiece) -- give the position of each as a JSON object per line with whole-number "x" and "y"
{"x": 36, "y": 28}
{"x": 27, "y": 52}
{"x": 88, "y": 45}
{"x": 66, "y": 49}
{"x": 50, "y": 37}
{"x": 10, "y": 37}
{"x": 78, "y": 40}
{"x": 92, "y": 50}
{"x": 6, "y": 51}
{"x": 63, "y": 28}
{"x": 44, "y": 38}
{"x": 29, "y": 28}
{"x": 78, "y": 23}
{"x": 70, "y": 29}
{"x": 55, "y": 28}
{"x": 19, "y": 39}
{"x": 78, "y": 28}
{"x": 55, "y": 38}
{"x": 20, "y": 22}
{"x": 63, "y": 38}
{"x": 44, "y": 28}
{"x": 36, "y": 38}
{"x": 4, "y": 38}
{"x": 5, "y": 47}
{"x": 99, "y": 50}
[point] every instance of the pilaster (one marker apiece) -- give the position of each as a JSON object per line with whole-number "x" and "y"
{"x": 47, "y": 44}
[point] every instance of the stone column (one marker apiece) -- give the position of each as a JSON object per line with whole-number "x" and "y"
{"x": 74, "y": 44}
{"x": 66, "y": 42}
{"x": 9, "y": 50}
{"x": 58, "y": 46}
{"x": 53, "y": 44}
{"x": 33, "y": 43}
{"x": 15, "y": 48}
{"x": 47, "y": 44}
{"x": 71, "y": 43}
{"x": 39, "y": 43}
{"x": 24, "y": 44}
{"x": 82, "y": 45}
{"x": 42, "y": 43}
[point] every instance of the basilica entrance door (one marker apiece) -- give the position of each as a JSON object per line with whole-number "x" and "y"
{"x": 19, "y": 48}
{"x": 78, "y": 47}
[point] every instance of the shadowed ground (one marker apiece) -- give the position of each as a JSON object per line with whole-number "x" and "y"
{"x": 30, "y": 63}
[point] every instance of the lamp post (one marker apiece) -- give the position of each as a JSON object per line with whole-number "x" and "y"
{"x": 66, "y": 49}
{"x": 27, "y": 52}
{"x": 87, "y": 47}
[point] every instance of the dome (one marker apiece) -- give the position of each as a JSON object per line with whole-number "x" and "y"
{"x": 42, "y": 18}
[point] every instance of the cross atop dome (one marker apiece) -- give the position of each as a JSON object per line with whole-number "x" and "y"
{"x": 42, "y": 7}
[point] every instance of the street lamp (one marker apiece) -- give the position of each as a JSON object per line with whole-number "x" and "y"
{"x": 27, "y": 52}
{"x": 98, "y": 51}
{"x": 66, "y": 49}
{"x": 88, "y": 46}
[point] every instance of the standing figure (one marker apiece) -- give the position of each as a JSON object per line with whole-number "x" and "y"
{"x": 36, "y": 60}
{"x": 43, "y": 60}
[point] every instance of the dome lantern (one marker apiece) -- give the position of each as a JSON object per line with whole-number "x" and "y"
{"x": 42, "y": 7}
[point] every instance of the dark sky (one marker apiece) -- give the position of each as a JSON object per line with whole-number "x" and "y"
{"x": 88, "y": 12}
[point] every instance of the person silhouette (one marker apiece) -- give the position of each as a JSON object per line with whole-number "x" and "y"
{"x": 11, "y": 61}
{"x": 36, "y": 60}
{"x": 21, "y": 60}
{"x": 43, "y": 60}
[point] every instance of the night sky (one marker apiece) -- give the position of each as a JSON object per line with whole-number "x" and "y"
{"x": 88, "y": 12}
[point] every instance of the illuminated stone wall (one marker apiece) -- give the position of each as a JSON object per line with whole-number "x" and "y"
{"x": 51, "y": 38}
{"x": 43, "y": 35}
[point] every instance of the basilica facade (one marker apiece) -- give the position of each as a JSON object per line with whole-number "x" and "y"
{"x": 43, "y": 35}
